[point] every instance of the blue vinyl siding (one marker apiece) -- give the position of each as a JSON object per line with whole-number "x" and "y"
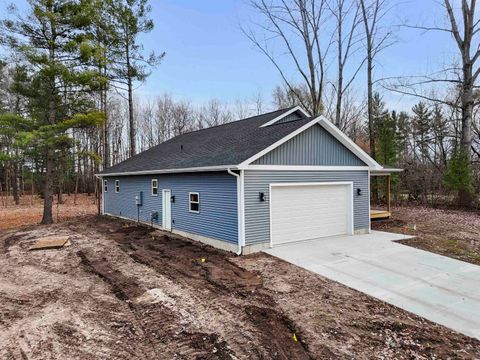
{"x": 257, "y": 214}
{"x": 314, "y": 146}
{"x": 217, "y": 218}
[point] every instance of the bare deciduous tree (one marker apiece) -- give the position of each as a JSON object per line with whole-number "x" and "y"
{"x": 286, "y": 21}
{"x": 463, "y": 27}
{"x": 348, "y": 38}
{"x": 373, "y": 12}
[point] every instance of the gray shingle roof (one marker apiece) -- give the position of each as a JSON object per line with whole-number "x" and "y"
{"x": 222, "y": 145}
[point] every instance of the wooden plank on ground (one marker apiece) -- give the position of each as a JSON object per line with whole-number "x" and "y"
{"x": 51, "y": 242}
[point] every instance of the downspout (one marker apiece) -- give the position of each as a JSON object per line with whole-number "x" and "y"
{"x": 239, "y": 211}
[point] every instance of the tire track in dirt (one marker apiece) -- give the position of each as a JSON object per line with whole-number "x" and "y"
{"x": 160, "y": 328}
{"x": 235, "y": 294}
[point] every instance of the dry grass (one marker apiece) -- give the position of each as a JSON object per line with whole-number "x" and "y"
{"x": 28, "y": 213}
{"x": 453, "y": 233}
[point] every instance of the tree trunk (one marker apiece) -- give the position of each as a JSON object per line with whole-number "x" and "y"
{"x": 131, "y": 119}
{"x": 47, "y": 217}
{"x": 105, "y": 135}
{"x": 371, "y": 121}
{"x": 98, "y": 189}
{"x": 1, "y": 193}
{"x": 465, "y": 197}
{"x": 338, "y": 111}
{"x": 16, "y": 184}
{"x": 32, "y": 188}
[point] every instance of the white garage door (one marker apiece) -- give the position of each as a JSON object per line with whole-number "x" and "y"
{"x": 308, "y": 211}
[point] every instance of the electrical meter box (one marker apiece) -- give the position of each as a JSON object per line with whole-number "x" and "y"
{"x": 139, "y": 199}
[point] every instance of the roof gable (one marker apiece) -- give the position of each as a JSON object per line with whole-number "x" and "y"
{"x": 314, "y": 146}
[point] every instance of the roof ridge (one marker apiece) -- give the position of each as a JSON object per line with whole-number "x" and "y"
{"x": 235, "y": 121}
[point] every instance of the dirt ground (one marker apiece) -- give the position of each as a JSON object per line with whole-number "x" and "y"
{"x": 453, "y": 233}
{"x": 122, "y": 291}
{"x": 29, "y": 211}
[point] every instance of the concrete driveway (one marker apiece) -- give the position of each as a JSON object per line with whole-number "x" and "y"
{"x": 436, "y": 287}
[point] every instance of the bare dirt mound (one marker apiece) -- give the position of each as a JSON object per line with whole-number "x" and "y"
{"x": 161, "y": 332}
{"x": 218, "y": 279}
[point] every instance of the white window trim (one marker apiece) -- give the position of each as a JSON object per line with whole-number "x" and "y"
{"x": 154, "y": 180}
{"x": 117, "y": 186}
{"x": 105, "y": 185}
{"x": 190, "y": 202}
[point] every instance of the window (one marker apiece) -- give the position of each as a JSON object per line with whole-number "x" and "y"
{"x": 105, "y": 185}
{"x": 117, "y": 186}
{"x": 154, "y": 187}
{"x": 194, "y": 202}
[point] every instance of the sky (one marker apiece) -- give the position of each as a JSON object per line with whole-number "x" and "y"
{"x": 208, "y": 56}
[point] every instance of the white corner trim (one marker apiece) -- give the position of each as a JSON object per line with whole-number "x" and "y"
{"x": 305, "y": 168}
{"x": 291, "y": 111}
{"x": 278, "y": 143}
{"x": 240, "y": 208}
{"x": 348, "y": 143}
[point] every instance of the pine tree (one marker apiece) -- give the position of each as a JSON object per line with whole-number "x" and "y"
{"x": 53, "y": 39}
{"x": 379, "y": 115}
{"x": 129, "y": 19}
{"x": 421, "y": 122}
{"x": 386, "y": 141}
{"x": 459, "y": 174}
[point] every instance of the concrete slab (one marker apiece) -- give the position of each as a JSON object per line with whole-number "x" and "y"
{"x": 438, "y": 288}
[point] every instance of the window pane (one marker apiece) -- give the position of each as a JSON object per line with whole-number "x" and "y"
{"x": 194, "y": 206}
{"x": 194, "y": 197}
{"x": 154, "y": 191}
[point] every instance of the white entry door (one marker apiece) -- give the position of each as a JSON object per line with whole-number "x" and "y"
{"x": 308, "y": 211}
{"x": 166, "y": 209}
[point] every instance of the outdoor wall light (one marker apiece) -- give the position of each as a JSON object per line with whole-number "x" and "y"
{"x": 359, "y": 192}
{"x": 261, "y": 196}
{"x": 172, "y": 198}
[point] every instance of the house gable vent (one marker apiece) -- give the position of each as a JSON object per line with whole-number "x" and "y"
{"x": 296, "y": 113}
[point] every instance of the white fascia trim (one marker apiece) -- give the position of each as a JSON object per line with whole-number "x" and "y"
{"x": 170, "y": 171}
{"x": 291, "y": 111}
{"x": 278, "y": 143}
{"x": 348, "y": 143}
{"x": 305, "y": 168}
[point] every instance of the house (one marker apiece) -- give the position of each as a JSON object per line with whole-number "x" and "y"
{"x": 250, "y": 184}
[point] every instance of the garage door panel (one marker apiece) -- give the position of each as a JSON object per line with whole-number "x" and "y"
{"x": 303, "y": 212}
